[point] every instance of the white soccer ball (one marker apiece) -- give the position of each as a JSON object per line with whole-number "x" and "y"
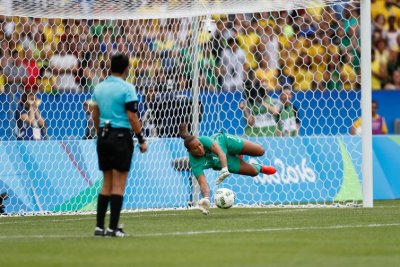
{"x": 224, "y": 198}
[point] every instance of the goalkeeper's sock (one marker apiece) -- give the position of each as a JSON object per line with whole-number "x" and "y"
{"x": 258, "y": 167}
{"x": 102, "y": 205}
{"x": 115, "y": 207}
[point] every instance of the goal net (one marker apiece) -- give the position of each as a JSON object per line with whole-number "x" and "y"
{"x": 283, "y": 74}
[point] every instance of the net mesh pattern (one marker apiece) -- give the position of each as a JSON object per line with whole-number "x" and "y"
{"x": 287, "y": 78}
{"x": 147, "y": 9}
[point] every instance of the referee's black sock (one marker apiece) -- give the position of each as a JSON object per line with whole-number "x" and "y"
{"x": 115, "y": 207}
{"x": 102, "y": 205}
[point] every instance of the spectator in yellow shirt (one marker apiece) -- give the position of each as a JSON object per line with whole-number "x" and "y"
{"x": 348, "y": 75}
{"x": 379, "y": 72}
{"x": 304, "y": 77}
{"x": 267, "y": 76}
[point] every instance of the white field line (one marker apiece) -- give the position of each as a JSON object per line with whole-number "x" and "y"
{"x": 207, "y": 232}
{"x": 131, "y": 215}
{"x": 157, "y": 213}
{"x": 257, "y": 230}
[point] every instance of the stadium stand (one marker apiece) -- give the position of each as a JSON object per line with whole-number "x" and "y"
{"x": 78, "y": 51}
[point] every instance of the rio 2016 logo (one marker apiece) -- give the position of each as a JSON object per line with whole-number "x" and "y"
{"x": 299, "y": 173}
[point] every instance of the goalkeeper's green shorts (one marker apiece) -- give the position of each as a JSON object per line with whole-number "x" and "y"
{"x": 233, "y": 163}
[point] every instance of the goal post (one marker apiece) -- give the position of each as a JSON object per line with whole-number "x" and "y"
{"x": 366, "y": 103}
{"x": 291, "y": 76}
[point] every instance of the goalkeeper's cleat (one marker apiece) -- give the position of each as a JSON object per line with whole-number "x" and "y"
{"x": 204, "y": 206}
{"x": 119, "y": 232}
{"x": 268, "y": 170}
{"x": 98, "y": 231}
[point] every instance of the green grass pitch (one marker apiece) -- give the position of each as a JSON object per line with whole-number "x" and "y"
{"x": 234, "y": 237}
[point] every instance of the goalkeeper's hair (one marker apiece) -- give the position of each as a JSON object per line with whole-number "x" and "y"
{"x": 184, "y": 134}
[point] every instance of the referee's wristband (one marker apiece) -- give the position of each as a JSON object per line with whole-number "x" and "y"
{"x": 140, "y": 138}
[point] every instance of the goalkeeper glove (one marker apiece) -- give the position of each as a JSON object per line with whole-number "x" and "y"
{"x": 222, "y": 175}
{"x": 204, "y": 205}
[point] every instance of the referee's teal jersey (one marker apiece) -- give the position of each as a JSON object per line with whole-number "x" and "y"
{"x": 111, "y": 96}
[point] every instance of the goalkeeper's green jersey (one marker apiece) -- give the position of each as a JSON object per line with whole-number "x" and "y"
{"x": 231, "y": 145}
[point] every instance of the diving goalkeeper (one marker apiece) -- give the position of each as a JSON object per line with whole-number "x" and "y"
{"x": 220, "y": 152}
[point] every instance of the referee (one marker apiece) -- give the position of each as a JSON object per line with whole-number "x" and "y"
{"x": 115, "y": 107}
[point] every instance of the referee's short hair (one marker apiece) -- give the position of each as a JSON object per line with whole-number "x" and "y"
{"x": 119, "y": 62}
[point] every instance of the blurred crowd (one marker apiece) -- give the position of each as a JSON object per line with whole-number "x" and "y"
{"x": 307, "y": 49}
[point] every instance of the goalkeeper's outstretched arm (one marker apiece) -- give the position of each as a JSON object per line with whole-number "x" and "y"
{"x": 204, "y": 188}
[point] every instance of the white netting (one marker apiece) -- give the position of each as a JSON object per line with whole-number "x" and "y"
{"x": 147, "y": 9}
{"x": 288, "y": 80}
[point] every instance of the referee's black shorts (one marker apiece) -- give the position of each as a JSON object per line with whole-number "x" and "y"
{"x": 115, "y": 150}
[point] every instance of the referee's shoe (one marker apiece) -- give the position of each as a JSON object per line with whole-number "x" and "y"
{"x": 119, "y": 232}
{"x": 98, "y": 231}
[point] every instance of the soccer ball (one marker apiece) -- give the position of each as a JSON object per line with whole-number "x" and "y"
{"x": 224, "y": 198}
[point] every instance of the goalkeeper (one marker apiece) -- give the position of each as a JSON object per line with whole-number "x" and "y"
{"x": 220, "y": 152}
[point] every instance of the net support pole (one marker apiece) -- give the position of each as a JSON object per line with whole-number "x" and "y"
{"x": 366, "y": 98}
{"x": 195, "y": 90}
{"x": 195, "y": 97}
